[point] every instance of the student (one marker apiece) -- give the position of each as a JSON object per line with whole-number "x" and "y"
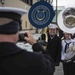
{"x": 67, "y": 44}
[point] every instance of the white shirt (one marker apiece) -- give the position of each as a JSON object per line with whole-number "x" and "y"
{"x": 63, "y": 54}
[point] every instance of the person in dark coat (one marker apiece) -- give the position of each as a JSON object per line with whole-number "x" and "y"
{"x": 14, "y": 60}
{"x": 54, "y": 44}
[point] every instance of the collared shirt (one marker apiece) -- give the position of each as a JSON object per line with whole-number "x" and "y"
{"x": 71, "y": 42}
{"x": 51, "y": 36}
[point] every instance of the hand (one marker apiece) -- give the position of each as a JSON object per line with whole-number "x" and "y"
{"x": 30, "y": 38}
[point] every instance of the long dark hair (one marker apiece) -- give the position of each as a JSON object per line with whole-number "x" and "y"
{"x": 70, "y": 35}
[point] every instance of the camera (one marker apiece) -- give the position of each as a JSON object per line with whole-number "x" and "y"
{"x": 21, "y": 37}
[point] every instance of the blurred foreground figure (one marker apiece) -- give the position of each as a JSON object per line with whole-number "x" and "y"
{"x": 16, "y": 61}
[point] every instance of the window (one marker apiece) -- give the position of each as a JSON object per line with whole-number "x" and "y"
{"x": 30, "y": 2}
{"x": 25, "y": 24}
{"x": 46, "y": 0}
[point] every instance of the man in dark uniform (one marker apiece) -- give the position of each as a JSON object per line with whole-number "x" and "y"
{"x": 54, "y": 44}
{"x": 16, "y": 61}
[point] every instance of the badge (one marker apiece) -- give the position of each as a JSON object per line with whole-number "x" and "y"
{"x": 41, "y": 14}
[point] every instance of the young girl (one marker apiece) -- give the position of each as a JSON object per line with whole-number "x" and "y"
{"x": 67, "y": 42}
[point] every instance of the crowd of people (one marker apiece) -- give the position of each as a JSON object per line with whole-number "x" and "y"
{"x": 61, "y": 49}
{"x": 17, "y": 61}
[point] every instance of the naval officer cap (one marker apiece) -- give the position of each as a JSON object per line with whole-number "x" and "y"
{"x": 10, "y": 19}
{"x": 52, "y": 26}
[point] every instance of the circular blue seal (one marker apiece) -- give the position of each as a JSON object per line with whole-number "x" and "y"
{"x": 41, "y": 14}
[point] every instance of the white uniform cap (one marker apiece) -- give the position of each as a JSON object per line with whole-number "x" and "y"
{"x": 7, "y": 13}
{"x": 52, "y": 26}
{"x": 12, "y": 9}
{"x": 12, "y": 13}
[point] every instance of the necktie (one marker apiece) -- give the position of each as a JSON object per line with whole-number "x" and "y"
{"x": 66, "y": 46}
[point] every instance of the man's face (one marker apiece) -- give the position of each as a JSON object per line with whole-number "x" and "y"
{"x": 52, "y": 31}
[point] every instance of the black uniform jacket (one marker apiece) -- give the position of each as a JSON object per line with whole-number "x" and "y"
{"x": 15, "y": 61}
{"x": 54, "y": 48}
